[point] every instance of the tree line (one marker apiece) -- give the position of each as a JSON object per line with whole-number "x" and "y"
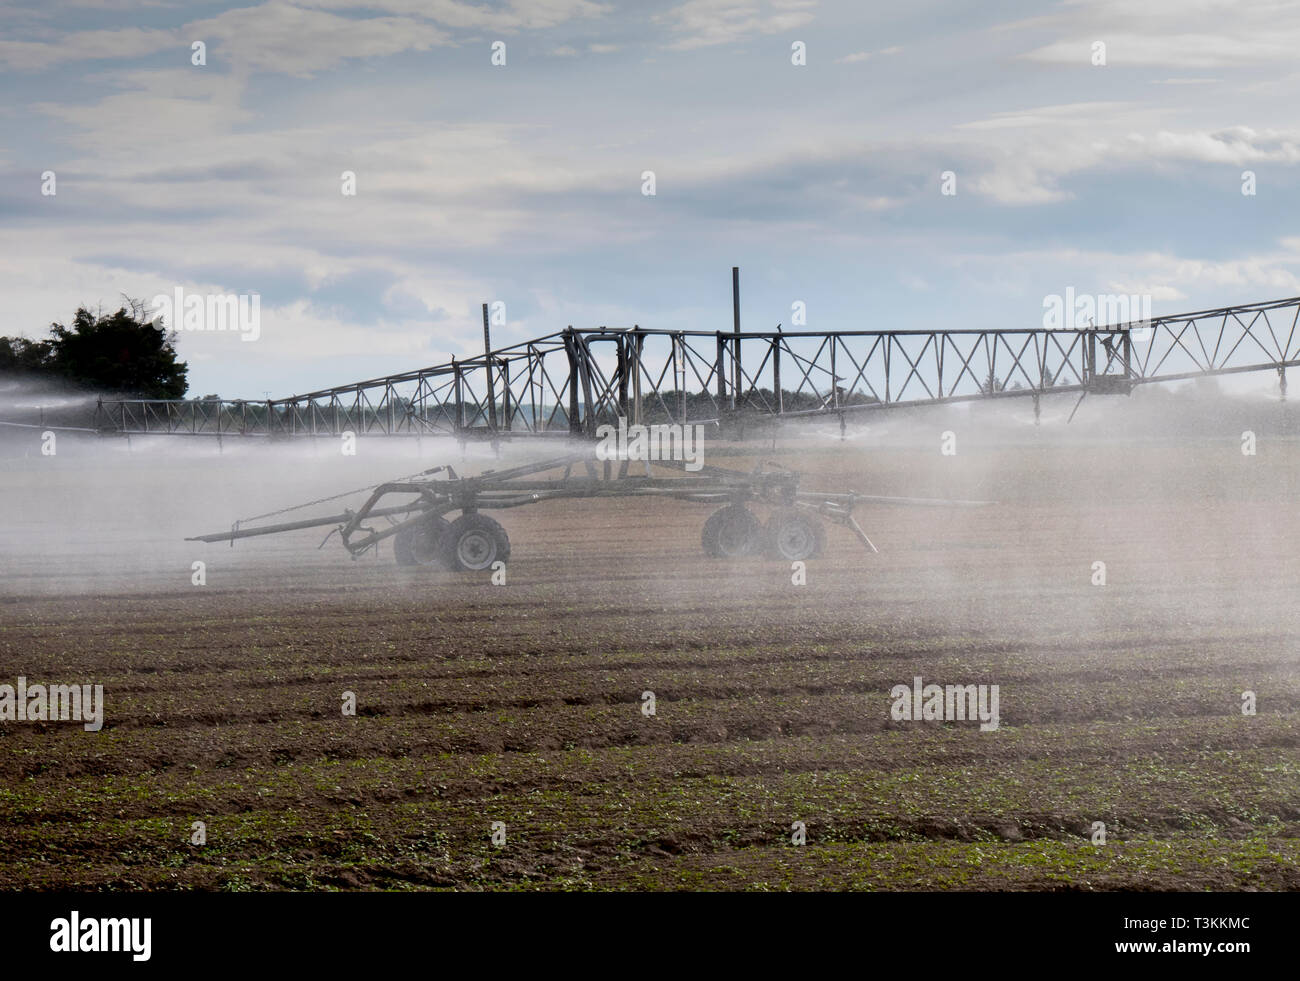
{"x": 121, "y": 353}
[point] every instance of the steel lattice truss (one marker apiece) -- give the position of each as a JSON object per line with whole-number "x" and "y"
{"x": 568, "y": 383}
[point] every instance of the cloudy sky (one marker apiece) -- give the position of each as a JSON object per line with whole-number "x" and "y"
{"x": 523, "y": 182}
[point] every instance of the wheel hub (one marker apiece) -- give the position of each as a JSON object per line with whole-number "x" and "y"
{"x": 476, "y": 550}
{"x": 794, "y": 539}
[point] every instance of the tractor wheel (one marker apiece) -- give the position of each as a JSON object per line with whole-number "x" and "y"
{"x": 795, "y": 535}
{"x": 418, "y": 544}
{"x": 473, "y": 542}
{"x": 732, "y": 533}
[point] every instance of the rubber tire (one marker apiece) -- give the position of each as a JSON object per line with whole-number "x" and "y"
{"x": 420, "y": 544}
{"x": 732, "y": 533}
{"x": 794, "y": 535}
{"x": 492, "y": 543}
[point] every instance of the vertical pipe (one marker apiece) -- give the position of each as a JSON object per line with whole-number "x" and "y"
{"x": 776, "y": 373}
{"x": 889, "y": 343}
{"x": 678, "y": 343}
{"x": 943, "y": 343}
{"x": 589, "y": 413}
{"x": 623, "y": 361}
{"x": 505, "y": 396}
{"x": 570, "y": 348}
{"x": 719, "y": 369}
{"x": 487, "y": 366}
{"x": 637, "y": 343}
{"x": 835, "y": 378}
{"x": 534, "y": 386}
{"x": 735, "y": 332}
{"x": 460, "y": 405}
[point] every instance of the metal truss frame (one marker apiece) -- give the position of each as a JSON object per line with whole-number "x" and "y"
{"x": 570, "y": 382}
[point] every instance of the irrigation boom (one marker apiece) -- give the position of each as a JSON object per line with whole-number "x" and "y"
{"x": 570, "y": 382}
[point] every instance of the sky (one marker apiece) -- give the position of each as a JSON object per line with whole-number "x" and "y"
{"x": 523, "y": 183}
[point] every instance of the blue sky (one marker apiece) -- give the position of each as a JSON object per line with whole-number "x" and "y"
{"x": 522, "y": 183}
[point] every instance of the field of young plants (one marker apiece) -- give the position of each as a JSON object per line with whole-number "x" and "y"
{"x": 625, "y": 713}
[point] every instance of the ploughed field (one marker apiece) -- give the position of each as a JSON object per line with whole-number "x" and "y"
{"x": 523, "y": 703}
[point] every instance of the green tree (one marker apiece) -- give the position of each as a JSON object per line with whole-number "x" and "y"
{"x": 18, "y": 354}
{"x": 121, "y": 353}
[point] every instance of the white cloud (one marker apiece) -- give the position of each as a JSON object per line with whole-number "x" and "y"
{"x": 1237, "y": 146}
{"x": 1170, "y": 50}
{"x": 127, "y": 42}
{"x": 1168, "y": 278}
{"x": 703, "y": 23}
{"x": 516, "y": 15}
{"x": 302, "y": 37}
{"x": 279, "y": 37}
{"x": 858, "y": 56}
{"x": 1174, "y": 33}
{"x": 1035, "y": 148}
